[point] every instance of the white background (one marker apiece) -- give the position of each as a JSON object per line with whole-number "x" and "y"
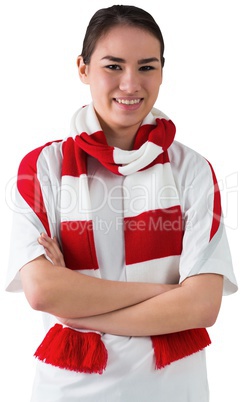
{"x": 202, "y": 93}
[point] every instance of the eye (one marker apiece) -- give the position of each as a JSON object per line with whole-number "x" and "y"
{"x": 113, "y": 67}
{"x": 146, "y": 68}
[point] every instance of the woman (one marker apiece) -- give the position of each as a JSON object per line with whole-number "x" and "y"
{"x": 144, "y": 259}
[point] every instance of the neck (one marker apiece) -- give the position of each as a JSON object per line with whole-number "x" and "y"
{"x": 122, "y": 138}
{"x": 122, "y": 141}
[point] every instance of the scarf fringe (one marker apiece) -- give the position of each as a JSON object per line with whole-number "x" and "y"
{"x": 171, "y": 347}
{"x": 84, "y": 352}
{"x": 66, "y": 348}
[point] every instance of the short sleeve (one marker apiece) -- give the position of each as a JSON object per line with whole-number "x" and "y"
{"x": 34, "y": 209}
{"x": 205, "y": 245}
{"x": 24, "y": 247}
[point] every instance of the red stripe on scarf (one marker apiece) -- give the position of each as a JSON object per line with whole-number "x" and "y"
{"x": 153, "y": 234}
{"x": 76, "y": 164}
{"x": 78, "y": 245}
{"x": 96, "y": 145}
{"x": 29, "y": 186}
{"x": 161, "y": 134}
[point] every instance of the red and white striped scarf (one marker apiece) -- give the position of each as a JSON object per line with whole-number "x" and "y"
{"x": 145, "y": 167}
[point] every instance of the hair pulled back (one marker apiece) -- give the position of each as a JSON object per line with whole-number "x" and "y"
{"x": 106, "y": 18}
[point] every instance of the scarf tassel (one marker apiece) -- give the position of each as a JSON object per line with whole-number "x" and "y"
{"x": 171, "y": 347}
{"x": 69, "y": 349}
{"x": 84, "y": 352}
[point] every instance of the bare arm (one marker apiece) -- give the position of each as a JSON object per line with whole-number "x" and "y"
{"x": 195, "y": 304}
{"x": 131, "y": 309}
{"x": 66, "y": 293}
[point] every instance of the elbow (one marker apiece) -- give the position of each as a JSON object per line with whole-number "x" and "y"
{"x": 36, "y": 288}
{"x": 209, "y": 315}
{"x": 205, "y": 297}
{"x": 35, "y": 295}
{"x": 208, "y": 321}
{"x": 36, "y": 298}
{"x": 212, "y": 318}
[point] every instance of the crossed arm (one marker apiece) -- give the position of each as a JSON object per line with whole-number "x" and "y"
{"x": 119, "y": 308}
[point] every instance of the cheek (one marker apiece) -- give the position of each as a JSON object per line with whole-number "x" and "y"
{"x": 155, "y": 85}
{"x": 152, "y": 83}
{"x": 109, "y": 82}
{"x": 101, "y": 85}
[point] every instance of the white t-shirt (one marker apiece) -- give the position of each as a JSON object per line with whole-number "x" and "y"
{"x": 130, "y": 375}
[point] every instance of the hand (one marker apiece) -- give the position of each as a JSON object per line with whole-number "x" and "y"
{"x": 52, "y": 249}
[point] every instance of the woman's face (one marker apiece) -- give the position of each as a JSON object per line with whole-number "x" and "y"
{"x": 124, "y": 75}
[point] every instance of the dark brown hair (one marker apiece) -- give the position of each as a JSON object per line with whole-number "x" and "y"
{"x": 106, "y": 18}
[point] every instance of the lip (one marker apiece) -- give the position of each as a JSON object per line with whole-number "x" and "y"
{"x": 134, "y": 105}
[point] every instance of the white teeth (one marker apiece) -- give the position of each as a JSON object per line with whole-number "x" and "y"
{"x": 128, "y": 102}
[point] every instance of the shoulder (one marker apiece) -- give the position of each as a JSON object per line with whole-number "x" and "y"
{"x": 51, "y": 152}
{"x": 189, "y": 165}
{"x": 181, "y": 154}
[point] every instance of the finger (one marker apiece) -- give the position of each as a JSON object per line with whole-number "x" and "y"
{"x": 43, "y": 238}
{"x": 52, "y": 249}
{"x": 46, "y": 241}
{"x": 56, "y": 241}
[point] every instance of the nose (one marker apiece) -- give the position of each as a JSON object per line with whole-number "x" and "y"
{"x": 130, "y": 82}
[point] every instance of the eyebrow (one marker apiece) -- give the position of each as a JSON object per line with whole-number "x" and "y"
{"x": 120, "y": 60}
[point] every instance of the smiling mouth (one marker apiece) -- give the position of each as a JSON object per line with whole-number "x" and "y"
{"x": 128, "y": 101}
